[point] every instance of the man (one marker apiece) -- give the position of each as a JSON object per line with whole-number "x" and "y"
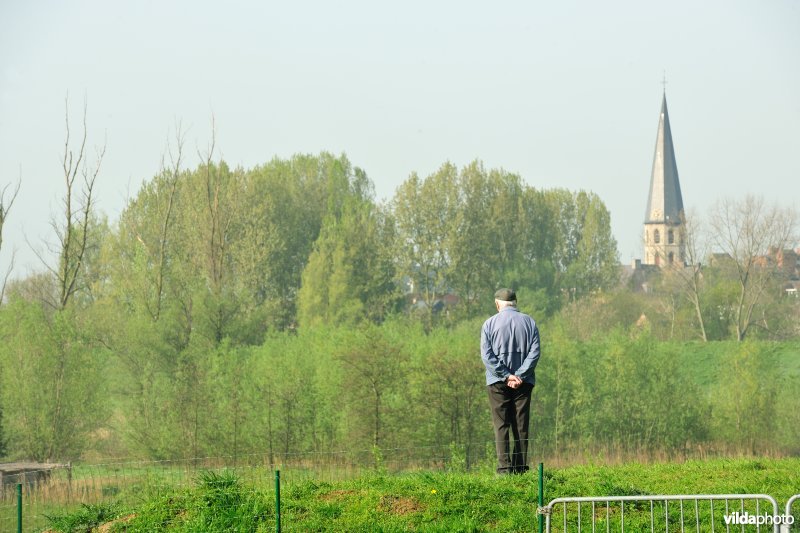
{"x": 510, "y": 351}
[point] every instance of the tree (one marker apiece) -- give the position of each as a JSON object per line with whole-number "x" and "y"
{"x": 425, "y": 210}
{"x": 158, "y": 252}
{"x": 739, "y": 411}
{"x": 52, "y": 356}
{"x": 349, "y": 276}
{"x": 449, "y": 389}
{"x": 53, "y": 385}
{"x": 534, "y": 269}
{"x": 288, "y": 201}
{"x": 215, "y": 217}
{"x": 591, "y": 262}
{"x": 374, "y": 372}
{"x": 289, "y": 394}
{"x": 73, "y": 225}
{"x": 752, "y": 234}
{"x": 146, "y": 312}
{"x": 471, "y": 231}
{"x": 688, "y": 278}
{"x": 6, "y": 203}
{"x": 475, "y": 240}
{"x": 696, "y": 248}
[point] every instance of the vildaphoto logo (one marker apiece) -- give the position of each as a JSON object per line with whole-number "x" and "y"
{"x": 745, "y": 518}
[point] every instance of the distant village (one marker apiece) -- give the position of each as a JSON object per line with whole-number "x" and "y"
{"x": 664, "y": 236}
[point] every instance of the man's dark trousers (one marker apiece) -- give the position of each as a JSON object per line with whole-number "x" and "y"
{"x": 510, "y": 411}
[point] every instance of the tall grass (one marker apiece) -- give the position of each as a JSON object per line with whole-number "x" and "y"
{"x": 432, "y": 501}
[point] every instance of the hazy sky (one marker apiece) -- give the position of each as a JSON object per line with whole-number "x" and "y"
{"x": 567, "y": 94}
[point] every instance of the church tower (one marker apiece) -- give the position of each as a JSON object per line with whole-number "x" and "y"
{"x": 664, "y": 219}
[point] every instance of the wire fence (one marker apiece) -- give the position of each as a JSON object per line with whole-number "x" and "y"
{"x": 55, "y": 490}
{"x": 91, "y": 489}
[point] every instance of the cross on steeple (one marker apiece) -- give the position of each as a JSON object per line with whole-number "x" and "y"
{"x": 664, "y": 81}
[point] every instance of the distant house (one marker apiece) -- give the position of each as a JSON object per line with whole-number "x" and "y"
{"x": 786, "y": 260}
{"x": 718, "y": 259}
{"x": 443, "y": 297}
{"x": 637, "y": 276}
{"x": 786, "y": 263}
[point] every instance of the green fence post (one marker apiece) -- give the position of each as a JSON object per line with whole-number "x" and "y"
{"x": 541, "y": 496}
{"x": 278, "y": 501}
{"x": 19, "y": 507}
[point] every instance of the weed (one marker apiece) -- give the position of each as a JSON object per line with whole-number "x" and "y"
{"x": 86, "y": 518}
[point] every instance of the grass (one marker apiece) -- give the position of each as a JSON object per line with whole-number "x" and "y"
{"x": 86, "y": 518}
{"x": 426, "y": 501}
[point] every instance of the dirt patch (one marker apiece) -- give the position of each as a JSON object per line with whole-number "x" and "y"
{"x": 105, "y": 528}
{"x": 399, "y": 505}
{"x": 336, "y": 495}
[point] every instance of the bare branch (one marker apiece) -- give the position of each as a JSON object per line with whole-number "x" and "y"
{"x": 39, "y": 256}
{"x": 72, "y": 231}
{"x": 7, "y": 204}
{"x": 174, "y": 174}
{"x": 5, "y": 278}
{"x": 89, "y": 180}
{"x": 180, "y": 140}
{"x": 690, "y": 275}
{"x": 6, "y": 207}
{"x": 208, "y": 155}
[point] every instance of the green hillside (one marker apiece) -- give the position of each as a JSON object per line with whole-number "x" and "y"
{"x": 428, "y": 501}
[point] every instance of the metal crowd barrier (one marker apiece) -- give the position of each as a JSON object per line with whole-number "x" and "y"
{"x": 684, "y": 512}
{"x": 795, "y": 527}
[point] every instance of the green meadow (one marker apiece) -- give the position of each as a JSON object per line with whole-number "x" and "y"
{"x": 436, "y": 501}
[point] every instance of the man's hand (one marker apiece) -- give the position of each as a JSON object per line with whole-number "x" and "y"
{"x": 514, "y": 382}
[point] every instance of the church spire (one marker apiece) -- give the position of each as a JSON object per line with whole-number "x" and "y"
{"x": 664, "y": 218}
{"x": 664, "y": 204}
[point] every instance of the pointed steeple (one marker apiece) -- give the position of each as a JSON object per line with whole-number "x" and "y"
{"x": 664, "y": 204}
{"x": 664, "y": 232}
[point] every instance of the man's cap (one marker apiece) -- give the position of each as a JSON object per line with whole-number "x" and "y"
{"x": 505, "y": 295}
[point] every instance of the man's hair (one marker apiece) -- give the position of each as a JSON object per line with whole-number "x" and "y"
{"x": 502, "y": 304}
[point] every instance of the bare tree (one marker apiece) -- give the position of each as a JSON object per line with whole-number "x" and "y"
{"x": 172, "y": 176}
{"x": 688, "y": 277}
{"x": 6, "y": 203}
{"x": 216, "y": 244}
{"x": 220, "y": 201}
{"x": 157, "y": 252}
{"x": 71, "y": 226}
{"x": 753, "y": 234}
